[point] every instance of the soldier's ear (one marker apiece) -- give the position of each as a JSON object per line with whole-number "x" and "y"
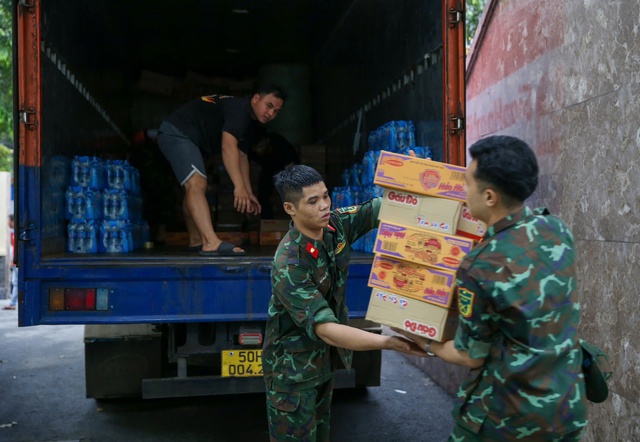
{"x": 290, "y": 208}
{"x": 491, "y": 197}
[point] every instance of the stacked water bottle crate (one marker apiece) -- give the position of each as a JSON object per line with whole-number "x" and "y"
{"x": 394, "y": 136}
{"x": 104, "y": 207}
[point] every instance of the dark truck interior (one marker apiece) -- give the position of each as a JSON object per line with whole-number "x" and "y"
{"x": 111, "y": 68}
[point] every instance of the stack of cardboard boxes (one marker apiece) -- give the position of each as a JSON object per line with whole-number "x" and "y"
{"x": 425, "y": 231}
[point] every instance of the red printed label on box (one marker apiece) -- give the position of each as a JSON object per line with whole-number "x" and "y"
{"x": 469, "y": 226}
{"x": 421, "y": 246}
{"x": 414, "y": 280}
{"x": 422, "y": 176}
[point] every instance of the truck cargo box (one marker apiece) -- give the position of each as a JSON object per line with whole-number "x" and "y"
{"x": 92, "y": 75}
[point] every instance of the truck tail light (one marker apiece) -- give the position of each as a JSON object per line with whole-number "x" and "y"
{"x": 79, "y": 299}
{"x": 250, "y": 338}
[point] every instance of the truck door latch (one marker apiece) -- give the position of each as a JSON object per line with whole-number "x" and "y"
{"x": 25, "y": 232}
{"x": 455, "y": 16}
{"x": 456, "y": 124}
{"x": 27, "y": 117}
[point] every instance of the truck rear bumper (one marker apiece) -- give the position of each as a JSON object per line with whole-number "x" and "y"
{"x": 218, "y": 385}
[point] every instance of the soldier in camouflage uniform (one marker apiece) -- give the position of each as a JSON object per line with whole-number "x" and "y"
{"x": 307, "y": 328}
{"x": 519, "y": 310}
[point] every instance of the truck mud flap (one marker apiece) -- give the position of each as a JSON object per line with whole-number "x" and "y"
{"x": 217, "y": 385}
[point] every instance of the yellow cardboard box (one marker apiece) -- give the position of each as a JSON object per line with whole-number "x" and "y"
{"x": 421, "y": 246}
{"x": 469, "y": 226}
{"x": 415, "y": 210}
{"x": 272, "y": 231}
{"x": 422, "y": 176}
{"x": 417, "y": 317}
{"x": 413, "y": 280}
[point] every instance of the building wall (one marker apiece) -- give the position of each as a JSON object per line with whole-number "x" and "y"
{"x": 565, "y": 77}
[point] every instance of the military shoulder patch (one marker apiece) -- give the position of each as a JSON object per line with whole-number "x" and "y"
{"x": 312, "y": 250}
{"x": 340, "y": 247}
{"x": 465, "y": 302}
{"x": 350, "y": 209}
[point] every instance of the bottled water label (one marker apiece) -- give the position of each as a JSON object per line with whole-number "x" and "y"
{"x": 87, "y": 172}
{"x": 83, "y": 203}
{"x": 82, "y": 236}
{"x": 116, "y": 236}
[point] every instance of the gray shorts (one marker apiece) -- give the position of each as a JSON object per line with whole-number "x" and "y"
{"x": 182, "y": 153}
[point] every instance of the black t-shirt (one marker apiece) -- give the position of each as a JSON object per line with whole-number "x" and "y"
{"x": 204, "y": 119}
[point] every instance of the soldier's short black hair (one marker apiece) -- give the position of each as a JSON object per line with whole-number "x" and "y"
{"x": 270, "y": 88}
{"x": 508, "y": 165}
{"x": 291, "y": 182}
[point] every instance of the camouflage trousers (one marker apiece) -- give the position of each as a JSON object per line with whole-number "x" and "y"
{"x": 300, "y": 415}
{"x": 492, "y": 434}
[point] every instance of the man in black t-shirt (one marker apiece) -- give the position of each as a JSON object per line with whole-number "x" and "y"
{"x": 204, "y": 127}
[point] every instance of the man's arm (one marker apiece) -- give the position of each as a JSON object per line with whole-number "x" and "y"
{"x": 352, "y": 338}
{"x": 444, "y": 350}
{"x": 231, "y": 160}
{"x": 246, "y": 179}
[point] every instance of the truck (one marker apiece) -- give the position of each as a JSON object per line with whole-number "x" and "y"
{"x": 160, "y": 321}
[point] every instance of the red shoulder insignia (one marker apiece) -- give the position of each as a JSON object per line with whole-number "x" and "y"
{"x": 312, "y": 250}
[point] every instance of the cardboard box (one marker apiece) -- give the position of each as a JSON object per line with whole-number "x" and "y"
{"x": 176, "y": 238}
{"x": 235, "y": 238}
{"x": 421, "y": 246}
{"x": 274, "y": 225}
{"x": 417, "y": 317}
{"x": 415, "y": 210}
{"x": 272, "y": 231}
{"x": 228, "y": 216}
{"x": 469, "y": 226}
{"x": 422, "y": 176}
{"x": 271, "y": 238}
{"x": 416, "y": 281}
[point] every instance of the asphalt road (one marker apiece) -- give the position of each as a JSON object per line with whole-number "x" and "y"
{"x": 42, "y": 398}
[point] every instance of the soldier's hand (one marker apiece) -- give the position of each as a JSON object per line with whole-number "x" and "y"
{"x": 418, "y": 340}
{"x": 405, "y": 346}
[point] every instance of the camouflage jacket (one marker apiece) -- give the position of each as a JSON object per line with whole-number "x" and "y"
{"x": 519, "y": 309}
{"x": 308, "y": 282}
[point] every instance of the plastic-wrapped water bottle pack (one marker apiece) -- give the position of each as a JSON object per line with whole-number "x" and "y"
{"x": 357, "y": 180}
{"x": 104, "y": 207}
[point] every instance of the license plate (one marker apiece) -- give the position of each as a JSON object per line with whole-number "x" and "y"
{"x": 241, "y": 363}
